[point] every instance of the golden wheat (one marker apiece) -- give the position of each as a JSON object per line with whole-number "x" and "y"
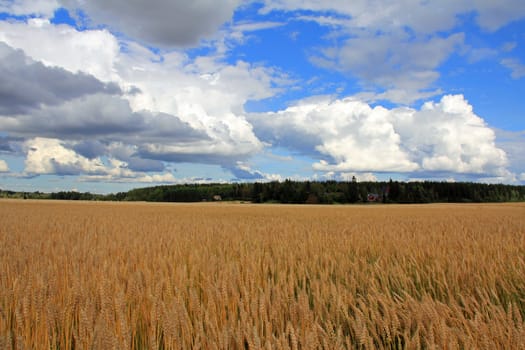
{"x": 224, "y": 276}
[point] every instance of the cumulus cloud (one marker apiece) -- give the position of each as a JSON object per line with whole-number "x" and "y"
{"x": 37, "y": 100}
{"x": 206, "y": 94}
{"x": 164, "y": 107}
{"x": 108, "y": 108}
{"x": 4, "y": 168}
{"x": 354, "y": 135}
{"x": 167, "y": 23}
{"x": 50, "y": 156}
{"x": 350, "y": 136}
{"x": 450, "y": 137}
{"x": 53, "y": 156}
{"x": 149, "y": 137}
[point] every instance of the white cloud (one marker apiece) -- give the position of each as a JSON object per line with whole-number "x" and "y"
{"x": 330, "y": 21}
{"x": 396, "y": 95}
{"x": 43, "y": 8}
{"x": 119, "y": 171}
{"x": 91, "y": 51}
{"x": 396, "y": 47}
{"x": 4, "y": 168}
{"x": 448, "y": 136}
{"x": 241, "y": 32}
{"x": 173, "y": 108}
{"x": 421, "y": 16}
{"x": 354, "y": 135}
{"x": 206, "y": 94}
{"x": 255, "y": 26}
{"x": 392, "y": 61}
{"x": 50, "y": 156}
{"x": 350, "y": 136}
{"x": 503, "y": 176}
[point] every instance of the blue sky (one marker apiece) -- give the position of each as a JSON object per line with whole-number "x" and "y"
{"x": 106, "y": 96}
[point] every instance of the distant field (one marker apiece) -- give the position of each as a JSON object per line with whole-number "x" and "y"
{"x": 91, "y": 275}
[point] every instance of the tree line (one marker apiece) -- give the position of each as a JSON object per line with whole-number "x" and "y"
{"x": 305, "y": 192}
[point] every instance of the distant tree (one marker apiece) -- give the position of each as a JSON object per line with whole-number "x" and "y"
{"x": 353, "y": 191}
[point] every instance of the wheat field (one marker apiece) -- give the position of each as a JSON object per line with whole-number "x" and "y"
{"x": 237, "y": 276}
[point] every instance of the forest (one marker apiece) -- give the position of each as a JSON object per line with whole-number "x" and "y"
{"x": 304, "y": 192}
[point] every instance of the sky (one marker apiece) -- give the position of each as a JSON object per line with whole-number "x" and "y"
{"x": 105, "y": 96}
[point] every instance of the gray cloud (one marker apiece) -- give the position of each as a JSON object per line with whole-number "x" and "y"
{"x": 5, "y": 146}
{"x": 493, "y": 15}
{"x": 128, "y": 154}
{"x": 280, "y": 130}
{"x": 165, "y": 154}
{"x": 166, "y": 23}
{"x": 90, "y": 148}
{"x": 145, "y": 165}
{"x": 26, "y": 84}
{"x": 517, "y": 68}
{"x": 90, "y": 116}
{"x": 163, "y": 127}
{"x": 392, "y": 61}
{"x": 102, "y": 117}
